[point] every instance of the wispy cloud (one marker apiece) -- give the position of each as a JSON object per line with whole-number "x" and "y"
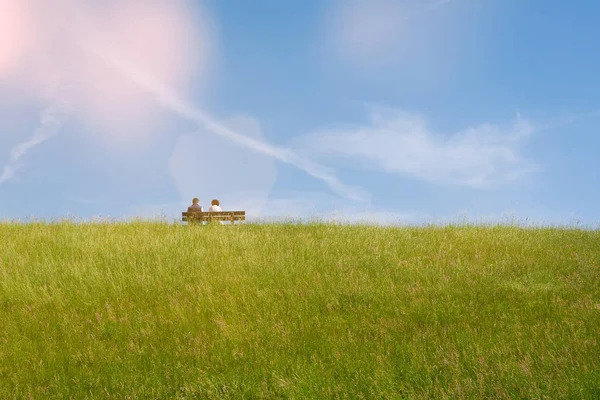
{"x": 398, "y": 142}
{"x": 167, "y": 98}
{"x": 124, "y": 67}
{"x": 8, "y": 172}
{"x": 210, "y": 174}
{"x": 293, "y": 205}
{"x": 82, "y": 200}
{"x": 40, "y": 56}
{"x": 51, "y": 120}
{"x": 310, "y": 206}
{"x": 568, "y": 120}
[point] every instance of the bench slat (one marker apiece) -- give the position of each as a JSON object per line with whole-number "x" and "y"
{"x": 216, "y": 218}
{"x": 212, "y": 213}
{"x": 206, "y": 216}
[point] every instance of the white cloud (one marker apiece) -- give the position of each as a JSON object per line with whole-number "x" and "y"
{"x": 401, "y": 143}
{"x": 312, "y": 206}
{"x": 348, "y": 215}
{"x": 304, "y": 207}
{"x": 269, "y": 206}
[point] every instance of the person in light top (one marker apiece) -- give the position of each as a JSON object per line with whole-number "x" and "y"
{"x": 195, "y": 205}
{"x": 215, "y": 206}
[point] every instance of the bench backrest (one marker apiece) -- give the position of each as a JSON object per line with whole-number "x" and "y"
{"x": 206, "y": 216}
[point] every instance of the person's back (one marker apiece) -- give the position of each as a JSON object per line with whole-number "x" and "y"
{"x": 215, "y": 206}
{"x": 195, "y": 207}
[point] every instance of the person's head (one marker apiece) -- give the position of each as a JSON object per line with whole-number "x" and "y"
{"x": 215, "y": 202}
{"x": 195, "y": 200}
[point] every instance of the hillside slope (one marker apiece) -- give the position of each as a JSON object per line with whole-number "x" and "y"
{"x": 152, "y": 310}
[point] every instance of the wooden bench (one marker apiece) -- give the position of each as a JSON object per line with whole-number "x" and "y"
{"x": 208, "y": 216}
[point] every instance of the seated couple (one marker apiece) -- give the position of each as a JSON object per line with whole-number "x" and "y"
{"x": 197, "y": 207}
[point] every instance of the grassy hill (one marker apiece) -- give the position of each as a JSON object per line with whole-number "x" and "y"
{"x": 155, "y": 310}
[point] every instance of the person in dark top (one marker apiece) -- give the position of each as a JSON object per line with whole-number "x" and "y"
{"x": 195, "y": 205}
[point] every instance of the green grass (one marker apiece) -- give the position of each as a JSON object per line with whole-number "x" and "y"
{"x": 155, "y": 310}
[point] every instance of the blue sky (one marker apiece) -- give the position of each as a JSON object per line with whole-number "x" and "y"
{"x": 375, "y": 110}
